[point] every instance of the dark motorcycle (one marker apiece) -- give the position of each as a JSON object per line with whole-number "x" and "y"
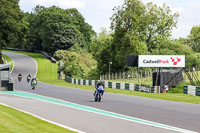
{"x": 98, "y": 94}
{"x": 20, "y": 77}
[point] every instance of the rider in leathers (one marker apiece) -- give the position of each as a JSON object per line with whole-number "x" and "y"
{"x": 100, "y": 83}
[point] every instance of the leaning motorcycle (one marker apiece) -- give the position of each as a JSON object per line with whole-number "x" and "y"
{"x": 98, "y": 93}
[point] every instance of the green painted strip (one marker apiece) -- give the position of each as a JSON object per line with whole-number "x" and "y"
{"x": 94, "y": 110}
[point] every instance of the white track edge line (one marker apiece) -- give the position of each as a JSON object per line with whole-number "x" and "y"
{"x": 111, "y": 115}
{"x": 44, "y": 119}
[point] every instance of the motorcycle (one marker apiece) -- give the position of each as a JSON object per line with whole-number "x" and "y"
{"x": 28, "y": 78}
{"x": 33, "y": 84}
{"x": 20, "y": 77}
{"x": 98, "y": 94}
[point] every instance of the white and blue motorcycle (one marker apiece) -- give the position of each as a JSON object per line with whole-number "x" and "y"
{"x": 98, "y": 93}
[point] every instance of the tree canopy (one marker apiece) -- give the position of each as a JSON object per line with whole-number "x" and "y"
{"x": 136, "y": 28}
{"x": 12, "y": 25}
{"x": 194, "y": 38}
{"x": 54, "y": 28}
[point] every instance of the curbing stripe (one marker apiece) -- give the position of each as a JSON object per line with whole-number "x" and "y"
{"x": 94, "y": 110}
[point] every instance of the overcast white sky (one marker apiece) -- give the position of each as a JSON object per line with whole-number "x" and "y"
{"x": 98, "y": 12}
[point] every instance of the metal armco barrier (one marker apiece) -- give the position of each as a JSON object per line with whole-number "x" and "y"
{"x": 191, "y": 90}
{"x": 114, "y": 85}
{"x": 127, "y": 86}
{"x": 90, "y": 82}
{"x": 117, "y": 85}
{"x": 197, "y": 91}
{"x": 84, "y": 82}
{"x": 137, "y": 87}
{"x": 109, "y": 84}
{"x": 96, "y": 81}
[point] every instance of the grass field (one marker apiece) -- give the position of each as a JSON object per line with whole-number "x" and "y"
{"x": 9, "y": 60}
{"x": 13, "y": 121}
{"x": 47, "y": 72}
{"x": 146, "y": 81}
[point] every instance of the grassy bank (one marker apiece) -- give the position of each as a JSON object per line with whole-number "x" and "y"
{"x": 9, "y": 60}
{"x": 47, "y": 72}
{"x": 13, "y": 121}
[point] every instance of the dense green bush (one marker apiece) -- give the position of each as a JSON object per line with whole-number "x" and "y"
{"x": 78, "y": 65}
{"x": 178, "y": 89}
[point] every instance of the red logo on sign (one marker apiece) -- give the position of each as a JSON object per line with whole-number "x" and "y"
{"x": 175, "y": 61}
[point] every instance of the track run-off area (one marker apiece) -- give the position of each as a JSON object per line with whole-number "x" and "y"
{"x": 75, "y": 108}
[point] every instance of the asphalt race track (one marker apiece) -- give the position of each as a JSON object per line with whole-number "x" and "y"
{"x": 181, "y": 115}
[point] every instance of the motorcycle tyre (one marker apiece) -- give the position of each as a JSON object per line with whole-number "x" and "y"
{"x": 96, "y": 97}
{"x": 99, "y": 98}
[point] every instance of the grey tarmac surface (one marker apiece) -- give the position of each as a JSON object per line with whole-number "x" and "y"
{"x": 80, "y": 120}
{"x": 178, "y": 114}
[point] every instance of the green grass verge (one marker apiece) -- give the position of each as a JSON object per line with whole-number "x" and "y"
{"x": 145, "y": 81}
{"x": 13, "y": 121}
{"x": 179, "y": 88}
{"x": 47, "y": 72}
{"x": 9, "y": 60}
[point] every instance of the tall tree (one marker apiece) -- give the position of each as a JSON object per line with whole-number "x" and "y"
{"x": 101, "y": 50}
{"x": 84, "y": 28}
{"x": 194, "y": 38}
{"x": 159, "y": 23}
{"x": 129, "y": 29}
{"x": 54, "y": 28}
{"x": 139, "y": 28}
{"x": 34, "y": 41}
{"x": 12, "y": 25}
{"x": 62, "y": 37}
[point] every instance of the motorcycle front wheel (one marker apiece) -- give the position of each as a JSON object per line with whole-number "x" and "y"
{"x": 96, "y": 97}
{"x": 99, "y": 99}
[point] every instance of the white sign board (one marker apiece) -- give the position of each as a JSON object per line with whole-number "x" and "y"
{"x": 161, "y": 60}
